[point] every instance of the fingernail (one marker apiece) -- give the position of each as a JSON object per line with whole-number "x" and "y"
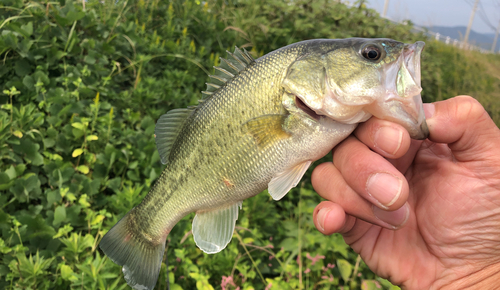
{"x": 384, "y": 187}
{"x": 394, "y": 218}
{"x": 388, "y": 139}
{"x": 321, "y": 217}
{"x": 429, "y": 110}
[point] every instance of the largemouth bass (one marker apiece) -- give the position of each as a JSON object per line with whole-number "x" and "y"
{"x": 260, "y": 126}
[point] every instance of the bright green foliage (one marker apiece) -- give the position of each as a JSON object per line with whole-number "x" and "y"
{"x": 80, "y": 90}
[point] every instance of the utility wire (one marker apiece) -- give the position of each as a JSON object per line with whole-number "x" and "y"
{"x": 484, "y": 17}
{"x": 482, "y": 13}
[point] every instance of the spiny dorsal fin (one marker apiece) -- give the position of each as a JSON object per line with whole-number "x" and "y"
{"x": 167, "y": 128}
{"x": 229, "y": 68}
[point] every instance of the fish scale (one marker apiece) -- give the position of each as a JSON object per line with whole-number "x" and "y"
{"x": 260, "y": 126}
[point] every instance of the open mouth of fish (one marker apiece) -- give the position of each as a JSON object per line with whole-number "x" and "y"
{"x": 301, "y": 105}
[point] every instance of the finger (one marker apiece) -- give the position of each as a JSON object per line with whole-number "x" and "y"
{"x": 404, "y": 162}
{"x": 329, "y": 183}
{"x": 330, "y": 218}
{"x": 389, "y": 139}
{"x": 463, "y": 123}
{"x": 370, "y": 175}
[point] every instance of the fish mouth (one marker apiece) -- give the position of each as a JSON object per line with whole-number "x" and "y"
{"x": 403, "y": 102}
{"x": 302, "y": 106}
{"x": 408, "y": 78}
{"x": 414, "y": 107}
{"x": 411, "y": 55}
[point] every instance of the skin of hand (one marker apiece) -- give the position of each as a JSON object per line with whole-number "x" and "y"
{"x": 422, "y": 214}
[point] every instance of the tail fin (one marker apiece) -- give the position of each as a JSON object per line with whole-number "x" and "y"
{"x": 140, "y": 258}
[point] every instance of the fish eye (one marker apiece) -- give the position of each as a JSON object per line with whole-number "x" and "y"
{"x": 371, "y": 52}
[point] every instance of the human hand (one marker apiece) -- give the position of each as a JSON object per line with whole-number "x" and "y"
{"x": 442, "y": 195}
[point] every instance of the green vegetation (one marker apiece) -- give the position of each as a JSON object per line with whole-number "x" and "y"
{"x": 81, "y": 85}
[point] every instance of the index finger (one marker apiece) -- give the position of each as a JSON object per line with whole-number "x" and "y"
{"x": 384, "y": 137}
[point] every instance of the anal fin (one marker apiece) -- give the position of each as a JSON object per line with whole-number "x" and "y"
{"x": 286, "y": 180}
{"x": 213, "y": 230}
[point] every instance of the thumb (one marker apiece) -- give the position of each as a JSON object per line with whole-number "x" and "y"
{"x": 464, "y": 125}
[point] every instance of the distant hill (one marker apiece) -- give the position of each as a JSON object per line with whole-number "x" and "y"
{"x": 484, "y": 40}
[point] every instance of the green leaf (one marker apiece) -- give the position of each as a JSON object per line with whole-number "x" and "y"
{"x": 248, "y": 240}
{"x": 203, "y": 285}
{"x": 49, "y": 142}
{"x": 4, "y": 178}
{"x": 59, "y": 215}
{"x": 30, "y": 151}
{"x": 26, "y": 188}
{"x": 28, "y": 28}
{"x": 289, "y": 244}
{"x": 53, "y": 196}
{"x": 10, "y": 39}
{"x": 92, "y": 138}
{"x": 71, "y": 197}
{"x": 22, "y": 68}
{"x": 18, "y": 134}
{"x": 178, "y": 287}
{"x": 97, "y": 220}
{"x": 77, "y": 133}
{"x": 89, "y": 59}
{"x": 83, "y": 169}
{"x": 6, "y": 186}
{"x": 74, "y": 16}
{"x": 339, "y": 245}
{"x": 20, "y": 168}
{"x": 83, "y": 201}
{"x": 29, "y": 82}
{"x": 369, "y": 285}
{"x": 77, "y": 152}
{"x": 67, "y": 273}
{"x": 78, "y": 125}
{"x": 4, "y": 249}
{"x": 11, "y": 172}
{"x": 40, "y": 76}
{"x": 63, "y": 231}
{"x": 345, "y": 269}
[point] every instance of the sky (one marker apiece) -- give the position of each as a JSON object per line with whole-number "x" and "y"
{"x": 442, "y": 12}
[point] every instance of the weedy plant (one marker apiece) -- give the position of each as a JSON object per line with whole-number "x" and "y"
{"x": 81, "y": 85}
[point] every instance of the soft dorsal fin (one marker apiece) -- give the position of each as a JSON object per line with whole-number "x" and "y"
{"x": 229, "y": 68}
{"x": 167, "y": 128}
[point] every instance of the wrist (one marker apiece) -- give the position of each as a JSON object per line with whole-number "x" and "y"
{"x": 484, "y": 279}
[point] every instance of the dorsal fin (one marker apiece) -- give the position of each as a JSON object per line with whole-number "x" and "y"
{"x": 229, "y": 68}
{"x": 167, "y": 128}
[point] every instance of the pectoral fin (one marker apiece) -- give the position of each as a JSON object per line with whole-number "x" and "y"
{"x": 267, "y": 129}
{"x": 283, "y": 182}
{"x": 213, "y": 230}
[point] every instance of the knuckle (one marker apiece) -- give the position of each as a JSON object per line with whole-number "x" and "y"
{"x": 469, "y": 108}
